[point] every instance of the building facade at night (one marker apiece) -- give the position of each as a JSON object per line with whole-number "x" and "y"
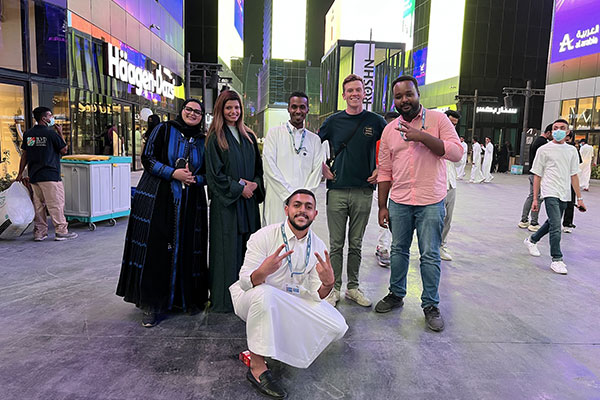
{"x": 573, "y": 79}
{"x": 464, "y": 45}
{"x": 96, "y": 63}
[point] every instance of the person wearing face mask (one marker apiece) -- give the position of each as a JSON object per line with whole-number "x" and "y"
{"x": 292, "y": 158}
{"x": 42, "y": 147}
{"x": 555, "y": 170}
{"x": 235, "y": 185}
{"x": 164, "y": 260}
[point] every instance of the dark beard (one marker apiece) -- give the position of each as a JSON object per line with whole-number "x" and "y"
{"x": 410, "y": 115}
{"x": 298, "y": 227}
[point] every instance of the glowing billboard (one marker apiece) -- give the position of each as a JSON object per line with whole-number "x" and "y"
{"x": 387, "y": 20}
{"x": 576, "y": 29}
{"x": 288, "y": 29}
{"x": 446, "y": 22}
{"x": 239, "y": 17}
{"x": 230, "y": 38}
{"x": 420, "y": 65}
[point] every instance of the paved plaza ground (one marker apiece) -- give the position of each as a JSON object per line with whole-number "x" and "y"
{"x": 514, "y": 329}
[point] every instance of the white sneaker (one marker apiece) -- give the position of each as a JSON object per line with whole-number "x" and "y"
{"x": 533, "y": 228}
{"x": 559, "y": 267}
{"x": 358, "y": 297}
{"x": 333, "y": 297}
{"x": 444, "y": 255}
{"x": 532, "y": 247}
{"x": 567, "y": 230}
{"x": 523, "y": 224}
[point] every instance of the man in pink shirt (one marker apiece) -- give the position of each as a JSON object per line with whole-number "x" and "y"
{"x": 411, "y": 163}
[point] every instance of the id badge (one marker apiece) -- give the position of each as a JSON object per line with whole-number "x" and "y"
{"x": 292, "y": 289}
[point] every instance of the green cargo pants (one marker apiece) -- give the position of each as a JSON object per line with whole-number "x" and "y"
{"x": 352, "y": 204}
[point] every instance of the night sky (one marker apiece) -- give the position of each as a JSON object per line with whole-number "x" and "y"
{"x": 253, "y": 29}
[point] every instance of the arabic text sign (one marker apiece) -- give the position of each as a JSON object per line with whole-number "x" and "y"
{"x": 576, "y": 30}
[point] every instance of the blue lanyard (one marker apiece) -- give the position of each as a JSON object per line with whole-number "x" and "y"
{"x": 297, "y": 150}
{"x": 289, "y": 257}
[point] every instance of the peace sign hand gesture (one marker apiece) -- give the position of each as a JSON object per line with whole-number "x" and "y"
{"x": 273, "y": 262}
{"x": 269, "y": 266}
{"x": 325, "y": 270}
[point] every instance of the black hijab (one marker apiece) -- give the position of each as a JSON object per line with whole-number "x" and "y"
{"x": 189, "y": 131}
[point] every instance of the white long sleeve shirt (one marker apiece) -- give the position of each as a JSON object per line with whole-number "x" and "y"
{"x": 286, "y": 170}
{"x": 265, "y": 242}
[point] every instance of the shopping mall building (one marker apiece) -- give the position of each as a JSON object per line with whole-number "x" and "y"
{"x": 573, "y": 78}
{"x": 96, "y": 63}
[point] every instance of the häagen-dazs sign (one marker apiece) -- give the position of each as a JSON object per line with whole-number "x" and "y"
{"x": 160, "y": 81}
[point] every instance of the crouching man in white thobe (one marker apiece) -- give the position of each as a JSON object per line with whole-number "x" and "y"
{"x": 285, "y": 275}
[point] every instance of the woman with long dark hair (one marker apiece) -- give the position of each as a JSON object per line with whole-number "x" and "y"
{"x": 164, "y": 261}
{"x": 235, "y": 184}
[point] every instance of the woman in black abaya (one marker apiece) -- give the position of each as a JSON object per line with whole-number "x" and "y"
{"x": 164, "y": 260}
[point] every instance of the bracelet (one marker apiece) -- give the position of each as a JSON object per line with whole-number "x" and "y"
{"x": 580, "y": 198}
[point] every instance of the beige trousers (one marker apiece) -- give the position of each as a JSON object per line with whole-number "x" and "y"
{"x": 49, "y": 196}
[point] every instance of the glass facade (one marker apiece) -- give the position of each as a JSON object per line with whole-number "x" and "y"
{"x": 584, "y": 118}
{"x": 389, "y": 63}
{"x": 12, "y": 126}
{"x": 11, "y": 35}
{"x": 56, "y": 57}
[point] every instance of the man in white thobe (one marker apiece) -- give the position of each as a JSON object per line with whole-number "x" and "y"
{"x": 587, "y": 153}
{"x": 451, "y": 176}
{"x": 460, "y": 166}
{"x": 292, "y": 159}
{"x": 488, "y": 157}
{"x": 476, "y": 176}
{"x": 279, "y": 294}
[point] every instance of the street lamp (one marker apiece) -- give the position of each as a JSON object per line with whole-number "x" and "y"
{"x": 528, "y": 92}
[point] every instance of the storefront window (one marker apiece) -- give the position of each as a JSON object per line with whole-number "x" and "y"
{"x": 568, "y": 111}
{"x": 48, "y": 39}
{"x": 11, "y": 35}
{"x": 12, "y": 127}
{"x": 82, "y": 122}
{"x": 57, "y": 99}
{"x": 596, "y": 114}
{"x": 584, "y": 113}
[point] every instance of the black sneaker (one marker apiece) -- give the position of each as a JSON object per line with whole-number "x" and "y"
{"x": 388, "y": 303}
{"x": 434, "y": 319}
{"x": 149, "y": 319}
{"x": 267, "y": 385}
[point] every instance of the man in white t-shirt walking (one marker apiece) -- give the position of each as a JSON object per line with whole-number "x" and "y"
{"x": 555, "y": 170}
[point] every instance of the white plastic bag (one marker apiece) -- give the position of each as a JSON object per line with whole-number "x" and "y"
{"x": 16, "y": 211}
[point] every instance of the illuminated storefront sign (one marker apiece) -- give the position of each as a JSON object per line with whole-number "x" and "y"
{"x": 364, "y": 66}
{"x": 161, "y": 81}
{"x": 576, "y": 31}
{"x": 496, "y": 110}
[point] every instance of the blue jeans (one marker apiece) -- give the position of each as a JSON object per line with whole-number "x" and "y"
{"x": 429, "y": 222}
{"x": 555, "y": 209}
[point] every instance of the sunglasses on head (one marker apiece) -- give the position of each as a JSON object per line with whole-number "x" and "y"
{"x": 193, "y": 110}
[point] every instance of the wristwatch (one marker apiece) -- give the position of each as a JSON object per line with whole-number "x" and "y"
{"x": 580, "y": 198}
{"x": 242, "y": 182}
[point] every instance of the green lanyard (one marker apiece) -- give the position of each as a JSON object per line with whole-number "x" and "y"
{"x": 289, "y": 257}
{"x": 297, "y": 150}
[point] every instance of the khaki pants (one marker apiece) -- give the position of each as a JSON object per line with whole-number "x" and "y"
{"x": 347, "y": 208}
{"x": 48, "y": 196}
